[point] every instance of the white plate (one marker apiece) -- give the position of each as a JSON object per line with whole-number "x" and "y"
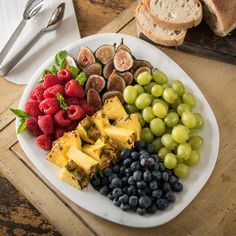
{"x": 93, "y": 201}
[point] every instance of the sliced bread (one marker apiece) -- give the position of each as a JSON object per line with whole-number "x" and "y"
{"x": 174, "y": 14}
{"x": 154, "y": 32}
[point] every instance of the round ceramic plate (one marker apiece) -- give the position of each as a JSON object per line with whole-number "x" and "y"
{"x": 92, "y": 200}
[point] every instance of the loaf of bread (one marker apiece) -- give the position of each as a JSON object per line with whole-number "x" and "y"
{"x": 220, "y": 15}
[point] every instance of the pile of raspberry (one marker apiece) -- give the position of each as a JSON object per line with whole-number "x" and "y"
{"x": 48, "y": 121}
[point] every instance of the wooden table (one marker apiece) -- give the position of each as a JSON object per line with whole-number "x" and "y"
{"x": 212, "y": 212}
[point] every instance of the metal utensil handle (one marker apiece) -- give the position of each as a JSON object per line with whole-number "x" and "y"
{"x": 7, "y": 67}
{"x": 12, "y": 40}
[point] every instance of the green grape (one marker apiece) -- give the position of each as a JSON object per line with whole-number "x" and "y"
{"x": 178, "y": 87}
{"x": 196, "y": 142}
{"x": 157, "y": 126}
{"x": 166, "y": 86}
{"x": 170, "y": 161}
{"x": 193, "y": 159}
{"x": 189, "y": 99}
{"x": 143, "y": 100}
{"x": 184, "y": 127}
{"x": 181, "y": 170}
{"x": 176, "y": 104}
{"x": 148, "y": 115}
{"x": 157, "y": 145}
{"x": 130, "y": 94}
{"x": 189, "y": 119}
{"x": 157, "y": 90}
{"x": 162, "y": 152}
{"x": 139, "y": 89}
{"x": 160, "y": 110}
{"x": 184, "y": 151}
{"x": 147, "y": 135}
{"x": 144, "y": 78}
{"x": 156, "y": 100}
{"x": 193, "y": 132}
{"x": 170, "y": 95}
{"x": 148, "y": 87}
{"x": 171, "y": 119}
{"x": 183, "y": 107}
{"x": 180, "y": 134}
{"x": 131, "y": 108}
{"x": 168, "y": 142}
{"x": 140, "y": 119}
{"x": 200, "y": 121}
{"x": 159, "y": 77}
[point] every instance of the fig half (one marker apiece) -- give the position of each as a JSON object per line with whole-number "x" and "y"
{"x": 123, "y": 60}
{"x": 93, "y": 98}
{"x": 140, "y": 70}
{"x": 115, "y": 83}
{"x": 85, "y": 57}
{"x": 127, "y": 77}
{"x": 111, "y": 94}
{"x": 93, "y": 69}
{"x": 96, "y": 82}
{"x": 108, "y": 69}
{"x": 105, "y": 53}
{"x": 141, "y": 63}
{"x": 123, "y": 46}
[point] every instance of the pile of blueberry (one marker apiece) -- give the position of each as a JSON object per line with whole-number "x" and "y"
{"x": 139, "y": 182}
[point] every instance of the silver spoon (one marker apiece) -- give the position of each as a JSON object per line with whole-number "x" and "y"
{"x": 52, "y": 24}
{"x": 31, "y": 9}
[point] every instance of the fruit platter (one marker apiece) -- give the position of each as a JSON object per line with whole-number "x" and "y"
{"x": 119, "y": 129}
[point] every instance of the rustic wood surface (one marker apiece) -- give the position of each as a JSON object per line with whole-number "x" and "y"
{"x": 212, "y": 212}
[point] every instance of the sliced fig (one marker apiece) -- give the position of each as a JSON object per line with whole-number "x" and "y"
{"x": 69, "y": 61}
{"x": 128, "y": 77}
{"x": 85, "y": 57}
{"x": 93, "y": 69}
{"x": 141, "y": 63}
{"x": 123, "y": 46}
{"x": 123, "y": 60}
{"x": 105, "y": 53}
{"x": 108, "y": 69}
{"x": 115, "y": 83}
{"x": 96, "y": 82}
{"x": 93, "y": 98}
{"x": 111, "y": 94}
{"x": 140, "y": 70}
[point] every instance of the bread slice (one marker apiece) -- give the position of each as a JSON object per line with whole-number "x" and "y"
{"x": 220, "y": 15}
{"x": 157, "y": 34}
{"x": 174, "y": 14}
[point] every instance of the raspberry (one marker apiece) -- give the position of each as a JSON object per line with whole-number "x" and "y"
{"x": 73, "y": 125}
{"x": 32, "y": 108}
{"x": 49, "y": 106}
{"x": 59, "y": 132}
{"x": 49, "y": 80}
{"x": 64, "y": 76}
{"x": 72, "y": 101}
{"x": 44, "y": 141}
{"x": 46, "y": 124}
{"x": 81, "y": 102}
{"x": 32, "y": 126}
{"x": 75, "y": 112}
{"x": 73, "y": 89}
{"x": 37, "y": 93}
{"x": 53, "y": 90}
{"x": 88, "y": 109}
{"x": 62, "y": 119}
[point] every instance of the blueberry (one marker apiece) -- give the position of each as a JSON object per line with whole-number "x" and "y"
{"x": 124, "y": 180}
{"x": 137, "y": 175}
{"x": 116, "y": 183}
{"x": 110, "y": 196}
{"x": 152, "y": 209}
{"x": 147, "y": 176}
{"x": 122, "y": 170}
{"x": 157, "y": 193}
{"x": 165, "y": 176}
{"x": 124, "y": 198}
{"x": 116, "y": 202}
{"x": 155, "y": 157}
{"x": 131, "y": 180}
{"x": 111, "y": 177}
{"x": 161, "y": 204}
{"x": 125, "y": 188}
{"x": 149, "y": 148}
{"x": 117, "y": 192}
{"x": 170, "y": 197}
{"x": 124, "y": 207}
{"x": 144, "y": 155}
{"x": 96, "y": 181}
{"x": 127, "y": 172}
{"x": 161, "y": 167}
{"x": 125, "y": 153}
{"x": 133, "y": 201}
{"x": 135, "y": 166}
{"x": 107, "y": 172}
{"x": 104, "y": 190}
{"x": 156, "y": 175}
{"x": 155, "y": 166}
{"x": 105, "y": 181}
{"x": 172, "y": 179}
{"x": 141, "y": 184}
{"x": 134, "y": 155}
{"x": 166, "y": 187}
{"x": 145, "y": 202}
{"x": 131, "y": 190}
{"x": 127, "y": 162}
{"x": 153, "y": 185}
{"x": 141, "y": 211}
{"x": 150, "y": 162}
{"x": 170, "y": 172}
{"x": 177, "y": 187}
{"x": 142, "y": 192}
{"x": 116, "y": 168}
{"x": 143, "y": 162}
{"x": 140, "y": 145}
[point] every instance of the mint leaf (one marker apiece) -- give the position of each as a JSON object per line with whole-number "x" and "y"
{"x": 74, "y": 71}
{"x": 81, "y": 78}
{"x": 46, "y": 71}
{"x": 60, "y": 58}
{"x": 22, "y": 126}
{"x": 19, "y": 113}
{"x": 62, "y": 101}
{"x": 54, "y": 70}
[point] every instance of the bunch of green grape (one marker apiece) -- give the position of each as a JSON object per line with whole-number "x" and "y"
{"x": 165, "y": 113}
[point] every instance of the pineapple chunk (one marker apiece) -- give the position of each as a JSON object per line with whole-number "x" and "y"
{"x": 58, "y": 153}
{"x": 100, "y": 120}
{"x": 124, "y": 138}
{"x": 113, "y": 108}
{"x": 88, "y": 164}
